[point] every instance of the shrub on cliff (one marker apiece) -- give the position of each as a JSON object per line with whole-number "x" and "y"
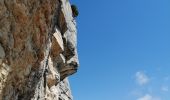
{"x": 74, "y": 10}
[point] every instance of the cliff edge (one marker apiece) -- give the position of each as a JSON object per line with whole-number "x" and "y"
{"x": 38, "y": 40}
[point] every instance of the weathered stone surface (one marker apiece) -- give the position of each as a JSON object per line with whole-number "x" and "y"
{"x": 61, "y": 91}
{"x": 2, "y": 53}
{"x": 57, "y": 44}
{"x": 38, "y": 40}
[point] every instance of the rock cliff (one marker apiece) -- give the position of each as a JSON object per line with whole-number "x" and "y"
{"x": 38, "y": 50}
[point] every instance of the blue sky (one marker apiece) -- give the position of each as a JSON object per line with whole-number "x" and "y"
{"x": 124, "y": 50}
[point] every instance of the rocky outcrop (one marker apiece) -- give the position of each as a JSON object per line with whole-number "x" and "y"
{"x": 38, "y": 40}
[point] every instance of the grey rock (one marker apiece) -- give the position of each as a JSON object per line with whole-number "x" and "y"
{"x": 2, "y": 52}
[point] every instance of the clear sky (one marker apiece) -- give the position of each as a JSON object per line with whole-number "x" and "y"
{"x": 124, "y": 50}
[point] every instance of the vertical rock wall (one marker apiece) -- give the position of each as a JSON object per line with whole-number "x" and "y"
{"x": 38, "y": 51}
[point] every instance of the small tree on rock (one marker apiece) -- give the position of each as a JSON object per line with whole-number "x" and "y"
{"x": 74, "y": 10}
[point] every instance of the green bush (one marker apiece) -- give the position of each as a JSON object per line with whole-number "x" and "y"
{"x": 74, "y": 10}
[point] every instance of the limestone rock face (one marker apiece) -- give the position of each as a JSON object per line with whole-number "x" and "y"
{"x": 38, "y": 49}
